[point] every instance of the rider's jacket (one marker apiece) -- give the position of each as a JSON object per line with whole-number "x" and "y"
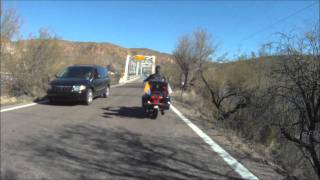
{"x": 156, "y": 78}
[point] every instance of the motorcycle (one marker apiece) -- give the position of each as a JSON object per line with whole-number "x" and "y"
{"x": 156, "y": 98}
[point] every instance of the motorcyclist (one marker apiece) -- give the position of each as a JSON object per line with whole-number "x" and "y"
{"x": 156, "y": 78}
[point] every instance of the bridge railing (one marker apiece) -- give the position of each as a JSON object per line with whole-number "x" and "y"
{"x": 126, "y": 79}
{"x": 136, "y": 66}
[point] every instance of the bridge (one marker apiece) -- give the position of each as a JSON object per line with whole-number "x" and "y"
{"x": 138, "y": 66}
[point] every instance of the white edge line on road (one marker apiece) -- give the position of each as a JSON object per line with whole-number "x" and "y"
{"x": 231, "y": 161}
{"x": 19, "y": 107}
{"x": 33, "y": 104}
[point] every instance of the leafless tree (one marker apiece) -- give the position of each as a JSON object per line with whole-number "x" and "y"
{"x": 10, "y": 24}
{"x": 194, "y": 55}
{"x": 183, "y": 55}
{"x": 203, "y": 48}
{"x": 296, "y": 89}
{"x": 203, "y": 51}
{"x": 9, "y": 27}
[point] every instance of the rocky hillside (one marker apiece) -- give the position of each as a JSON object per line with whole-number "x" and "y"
{"x": 107, "y": 53}
{"x": 92, "y": 52}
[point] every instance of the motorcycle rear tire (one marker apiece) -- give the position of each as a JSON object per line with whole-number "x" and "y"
{"x": 154, "y": 114}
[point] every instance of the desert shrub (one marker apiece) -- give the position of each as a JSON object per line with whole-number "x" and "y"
{"x": 31, "y": 65}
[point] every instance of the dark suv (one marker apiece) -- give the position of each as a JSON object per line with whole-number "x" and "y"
{"x": 80, "y": 83}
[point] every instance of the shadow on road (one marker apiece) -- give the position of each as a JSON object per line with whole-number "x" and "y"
{"x": 92, "y": 152}
{"x": 123, "y": 111}
{"x": 45, "y": 101}
{"x": 62, "y": 103}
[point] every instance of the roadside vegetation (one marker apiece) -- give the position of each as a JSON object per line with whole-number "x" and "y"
{"x": 26, "y": 66}
{"x": 271, "y": 100}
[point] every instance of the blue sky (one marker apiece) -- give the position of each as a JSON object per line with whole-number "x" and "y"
{"x": 237, "y": 26}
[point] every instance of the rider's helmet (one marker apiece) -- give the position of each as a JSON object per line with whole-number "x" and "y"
{"x": 158, "y": 69}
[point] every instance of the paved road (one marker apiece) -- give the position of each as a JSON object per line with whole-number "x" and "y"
{"x": 107, "y": 140}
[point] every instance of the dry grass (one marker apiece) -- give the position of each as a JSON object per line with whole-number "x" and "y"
{"x": 7, "y": 100}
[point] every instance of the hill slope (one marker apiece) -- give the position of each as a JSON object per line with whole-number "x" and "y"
{"x": 90, "y": 52}
{"x": 107, "y": 53}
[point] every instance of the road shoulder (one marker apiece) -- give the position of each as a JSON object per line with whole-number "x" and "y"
{"x": 234, "y": 145}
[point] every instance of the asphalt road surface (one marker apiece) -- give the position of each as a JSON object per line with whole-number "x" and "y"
{"x": 110, "y": 139}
